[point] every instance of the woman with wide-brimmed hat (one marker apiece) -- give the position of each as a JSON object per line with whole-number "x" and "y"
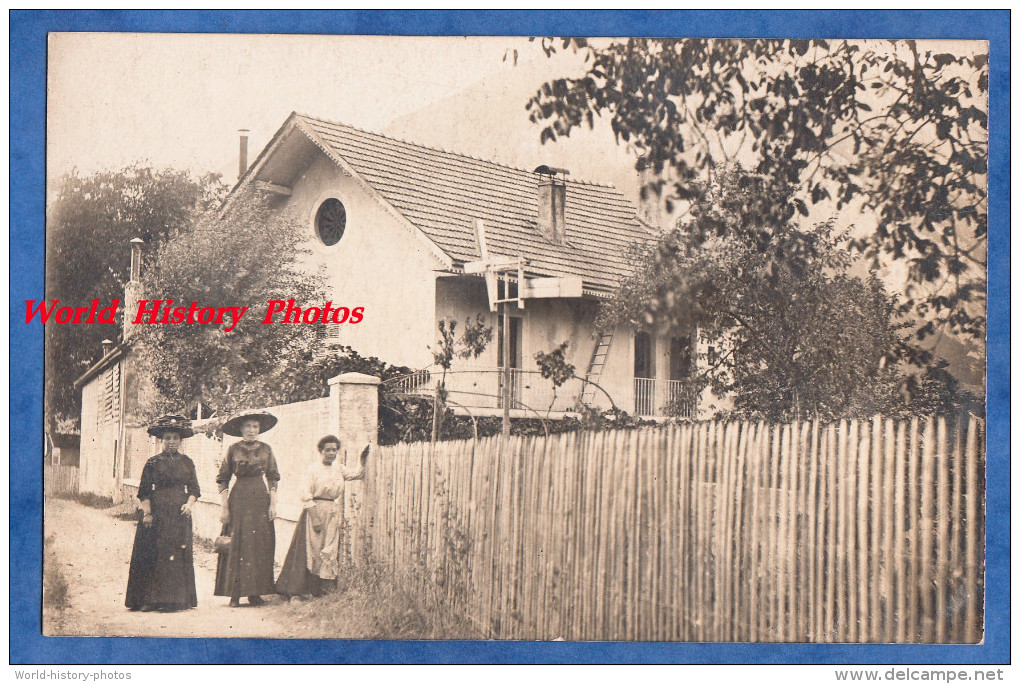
{"x": 249, "y": 508}
{"x": 162, "y": 573}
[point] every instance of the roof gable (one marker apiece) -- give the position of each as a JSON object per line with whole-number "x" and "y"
{"x": 443, "y": 194}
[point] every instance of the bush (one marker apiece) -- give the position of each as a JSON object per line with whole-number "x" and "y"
{"x": 410, "y": 420}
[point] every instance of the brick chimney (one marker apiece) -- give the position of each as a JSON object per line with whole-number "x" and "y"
{"x": 133, "y": 290}
{"x": 552, "y": 201}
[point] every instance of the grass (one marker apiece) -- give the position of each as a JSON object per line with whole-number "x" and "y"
{"x": 87, "y": 499}
{"x": 54, "y": 590}
{"x": 369, "y": 604}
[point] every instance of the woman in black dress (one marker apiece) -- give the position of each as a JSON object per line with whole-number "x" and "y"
{"x": 162, "y": 574}
{"x": 249, "y": 508}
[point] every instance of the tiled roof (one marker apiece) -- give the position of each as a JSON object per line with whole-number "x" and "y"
{"x": 443, "y": 194}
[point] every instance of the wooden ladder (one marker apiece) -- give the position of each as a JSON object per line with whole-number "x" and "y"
{"x": 598, "y": 360}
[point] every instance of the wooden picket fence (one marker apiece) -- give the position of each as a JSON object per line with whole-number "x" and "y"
{"x": 60, "y": 480}
{"x": 866, "y": 531}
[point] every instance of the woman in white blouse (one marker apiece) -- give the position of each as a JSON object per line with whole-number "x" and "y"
{"x": 314, "y": 557}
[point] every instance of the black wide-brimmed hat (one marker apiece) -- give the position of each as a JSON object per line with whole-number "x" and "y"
{"x": 233, "y": 426}
{"x": 171, "y": 423}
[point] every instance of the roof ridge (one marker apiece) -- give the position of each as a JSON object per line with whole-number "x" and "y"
{"x": 577, "y": 181}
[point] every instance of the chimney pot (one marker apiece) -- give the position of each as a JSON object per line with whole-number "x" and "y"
{"x": 242, "y": 162}
{"x": 133, "y": 289}
{"x": 107, "y": 346}
{"x": 136, "y": 259}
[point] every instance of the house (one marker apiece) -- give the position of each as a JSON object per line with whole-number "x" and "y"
{"x": 417, "y": 235}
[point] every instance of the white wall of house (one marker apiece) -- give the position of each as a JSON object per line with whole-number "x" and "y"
{"x": 553, "y": 321}
{"x": 459, "y": 299}
{"x": 546, "y": 324}
{"x": 101, "y": 450}
{"x": 618, "y": 373}
{"x": 378, "y": 264}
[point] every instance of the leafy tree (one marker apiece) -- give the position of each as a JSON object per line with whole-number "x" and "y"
{"x": 554, "y": 368}
{"x": 896, "y": 129}
{"x": 90, "y": 221}
{"x": 469, "y": 345}
{"x": 936, "y": 391}
{"x": 797, "y": 333}
{"x": 244, "y": 256}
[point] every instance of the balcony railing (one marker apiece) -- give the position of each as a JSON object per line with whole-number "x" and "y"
{"x": 482, "y": 388}
{"x": 530, "y": 392}
{"x": 675, "y": 398}
{"x": 418, "y": 382}
{"x": 518, "y": 380}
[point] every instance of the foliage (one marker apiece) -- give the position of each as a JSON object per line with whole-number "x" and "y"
{"x": 797, "y": 334}
{"x": 318, "y": 368}
{"x": 591, "y": 419}
{"x": 373, "y": 601}
{"x": 553, "y": 365}
{"x": 400, "y": 417}
{"x": 898, "y": 129}
{"x": 469, "y": 345}
{"x": 937, "y": 392}
{"x": 242, "y": 257}
{"x": 596, "y": 419}
{"x": 404, "y": 417}
{"x": 90, "y": 221}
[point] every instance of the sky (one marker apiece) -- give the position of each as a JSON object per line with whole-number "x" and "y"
{"x": 179, "y": 100}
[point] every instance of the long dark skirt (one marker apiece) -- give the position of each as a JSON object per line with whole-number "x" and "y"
{"x": 295, "y": 578}
{"x": 247, "y": 569}
{"x": 162, "y": 574}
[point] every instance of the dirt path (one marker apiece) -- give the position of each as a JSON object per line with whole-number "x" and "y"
{"x": 92, "y": 550}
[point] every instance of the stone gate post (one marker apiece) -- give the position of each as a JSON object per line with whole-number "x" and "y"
{"x": 354, "y": 410}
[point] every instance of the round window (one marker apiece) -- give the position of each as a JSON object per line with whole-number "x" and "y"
{"x": 330, "y": 221}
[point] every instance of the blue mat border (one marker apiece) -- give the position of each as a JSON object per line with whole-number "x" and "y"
{"x": 27, "y": 132}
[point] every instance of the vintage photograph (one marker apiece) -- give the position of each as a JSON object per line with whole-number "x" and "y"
{"x": 500, "y": 338}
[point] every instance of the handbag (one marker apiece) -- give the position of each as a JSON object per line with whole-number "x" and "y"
{"x": 222, "y": 543}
